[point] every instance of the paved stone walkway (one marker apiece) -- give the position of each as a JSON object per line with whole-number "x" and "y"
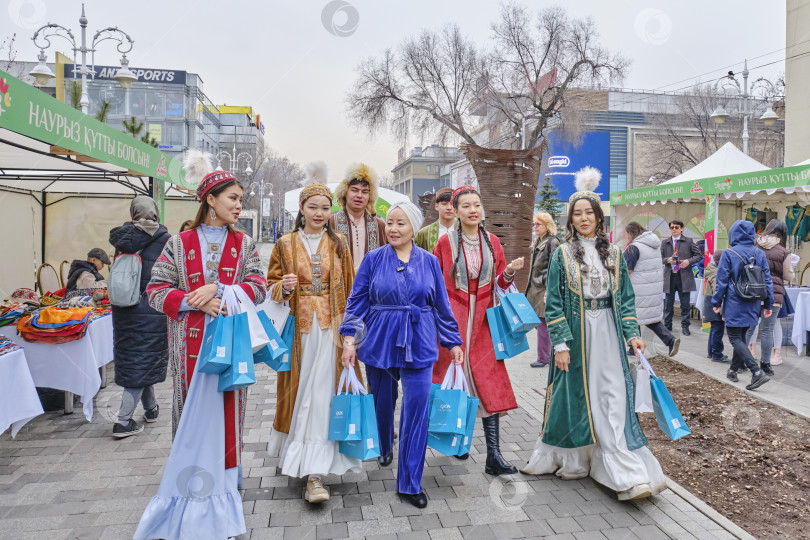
{"x": 64, "y": 478}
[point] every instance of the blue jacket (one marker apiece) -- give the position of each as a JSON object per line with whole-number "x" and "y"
{"x": 737, "y": 312}
{"x": 398, "y": 316}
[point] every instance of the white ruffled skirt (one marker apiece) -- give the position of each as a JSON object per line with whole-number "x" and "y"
{"x": 609, "y": 461}
{"x": 307, "y": 449}
{"x": 198, "y": 497}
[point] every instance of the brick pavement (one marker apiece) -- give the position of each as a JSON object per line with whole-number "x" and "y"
{"x": 64, "y": 478}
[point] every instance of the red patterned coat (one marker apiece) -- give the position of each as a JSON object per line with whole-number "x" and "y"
{"x": 178, "y": 271}
{"x": 490, "y": 377}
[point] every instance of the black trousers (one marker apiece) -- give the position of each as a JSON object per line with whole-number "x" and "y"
{"x": 676, "y": 288}
{"x": 742, "y": 355}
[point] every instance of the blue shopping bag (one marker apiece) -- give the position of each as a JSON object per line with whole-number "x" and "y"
{"x": 448, "y": 444}
{"x": 448, "y": 407}
{"x": 466, "y": 439}
{"x": 669, "y": 418}
{"x": 666, "y": 412}
{"x": 272, "y": 354}
{"x": 241, "y": 372}
{"x": 518, "y": 313}
{"x": 217, "y": 346}
{"x": 346, "y": 410}
{"x": 368, "y": 447}
{"x": 506, "y": 344}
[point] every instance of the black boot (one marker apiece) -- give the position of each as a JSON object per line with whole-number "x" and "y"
{"x": 495, "y": 463}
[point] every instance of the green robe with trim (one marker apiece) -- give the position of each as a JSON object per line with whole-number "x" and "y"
{"x": 568, "y": 422}
{"x": 428, "y": 237}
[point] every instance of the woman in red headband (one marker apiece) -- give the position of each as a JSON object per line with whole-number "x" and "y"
{"x": 472, "y": 262}
{"x": 187, "y": 283}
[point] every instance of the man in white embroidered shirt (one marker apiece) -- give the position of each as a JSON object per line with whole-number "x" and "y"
{"x": 358, "y": 220}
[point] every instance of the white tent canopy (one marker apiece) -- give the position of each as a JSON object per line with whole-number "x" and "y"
{"x": 727, "y": 160}
{"x": 291, "y": 197}
{"x": 805, "y": 162}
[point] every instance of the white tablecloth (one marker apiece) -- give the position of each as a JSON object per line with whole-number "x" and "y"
{"x": 793, "y": 293}
{"x": 19, "y": 401}
{"x": 801, "y": 319}
{"x": 73, "y": 366}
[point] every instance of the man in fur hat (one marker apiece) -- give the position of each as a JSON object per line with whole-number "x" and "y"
{"x": 358, "y": 220}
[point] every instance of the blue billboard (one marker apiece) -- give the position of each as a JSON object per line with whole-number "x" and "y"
{"x": 565, "y": 158}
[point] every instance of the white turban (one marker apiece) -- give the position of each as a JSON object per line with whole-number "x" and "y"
{"x": 412, "y": 212}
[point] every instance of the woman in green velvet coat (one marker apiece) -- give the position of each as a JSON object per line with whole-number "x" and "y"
{"x": 590, "y": 425}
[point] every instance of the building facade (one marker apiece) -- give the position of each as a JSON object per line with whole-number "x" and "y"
{"x": 421, "y": 170}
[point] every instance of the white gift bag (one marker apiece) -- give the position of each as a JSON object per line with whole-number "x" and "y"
{"x": 239, "y": 302}
{"x": 277, "y": 313}
{"x": 641, "y": 380}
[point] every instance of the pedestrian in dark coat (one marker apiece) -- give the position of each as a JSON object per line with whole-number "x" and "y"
{"x": 140, "y": 336}
{"x": 739, "y": 314}
{"x": 678, "y": 254}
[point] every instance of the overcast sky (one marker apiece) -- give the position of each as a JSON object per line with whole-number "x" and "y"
{"x": 280, "y": 58}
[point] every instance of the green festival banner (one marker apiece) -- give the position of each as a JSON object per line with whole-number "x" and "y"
{"x": 28, "y": 111}
{"x": 787, "y": 177}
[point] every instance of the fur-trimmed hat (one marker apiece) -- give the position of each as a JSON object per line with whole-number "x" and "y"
{"x": 359, "y": 172}
{"x": 586, "y": 181}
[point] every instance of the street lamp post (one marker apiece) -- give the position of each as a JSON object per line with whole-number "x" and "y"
{"x": 719, "y": 115}
{"x": 42, "y": 73}
{"x": 260, "y": 185}
{"x": 233, "y": 159}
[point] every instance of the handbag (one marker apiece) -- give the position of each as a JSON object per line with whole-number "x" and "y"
{"x": 669, "y": 418}
{"x": 506, "y": 344}
{"x": 518, "y": 313}
{"x": 345, "y": 413}
{"x": 216, "y": 349}
{"x": 448, "y": 408}
{"x": 643, "y": 394}
{"x": 368, "y": 445}
{"x": 455, "y": 443}
{"x": 241, "y": 372}
{"x": 273, "y": 353}
{"x": 241, "y": 301}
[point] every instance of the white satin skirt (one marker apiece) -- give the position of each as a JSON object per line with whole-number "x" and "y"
{"x": 609, "y": 461}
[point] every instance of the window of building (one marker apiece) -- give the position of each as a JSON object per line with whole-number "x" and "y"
{"x": 173, "y": 133}
{"x": 174, "y": 104}
{"x": 137, "y": 102}
{"x": 155, "y": 103}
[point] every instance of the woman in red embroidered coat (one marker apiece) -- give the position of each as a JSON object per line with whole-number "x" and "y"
{"x": 187, "y": 283}
{"x": 472, "y": 261}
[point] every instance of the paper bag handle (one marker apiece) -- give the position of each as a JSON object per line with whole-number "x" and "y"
{"x": 645, "y": 363}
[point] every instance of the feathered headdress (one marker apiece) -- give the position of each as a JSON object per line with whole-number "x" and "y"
{"x": 315, "y": 183}
{"x": 200, "y": 172}
{"x": 586, "y": 181}
{"x": 363, "y": 173}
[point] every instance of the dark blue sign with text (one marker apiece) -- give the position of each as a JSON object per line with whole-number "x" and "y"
{"x": 565, "y": 158}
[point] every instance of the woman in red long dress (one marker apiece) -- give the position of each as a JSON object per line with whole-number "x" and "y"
{"x": 472, "y": 262}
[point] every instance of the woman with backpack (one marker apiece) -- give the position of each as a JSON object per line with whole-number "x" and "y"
{"x": 544, "y": 245}
{"x": 735, "y": 277}
{"x": 140, "y": 342}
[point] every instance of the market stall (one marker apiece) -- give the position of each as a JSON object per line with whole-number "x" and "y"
{"x": 65, "y": 181}
{"x": 709, "y": 205}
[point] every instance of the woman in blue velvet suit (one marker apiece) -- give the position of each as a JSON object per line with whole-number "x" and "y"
{"x": 397, "y": 313}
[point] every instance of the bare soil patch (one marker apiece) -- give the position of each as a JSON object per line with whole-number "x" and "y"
{"x": 746, "y": 458}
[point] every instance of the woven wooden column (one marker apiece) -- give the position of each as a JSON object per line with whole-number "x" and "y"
{"x": 508, "y": 180}
{"x": 428, "y": 205}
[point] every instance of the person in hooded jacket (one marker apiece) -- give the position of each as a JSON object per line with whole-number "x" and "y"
{"x": 643, "y": 258}
{"x": 741, "y": 315}
{"x": 140, "y": 338}
{"x": 773, "y": 242}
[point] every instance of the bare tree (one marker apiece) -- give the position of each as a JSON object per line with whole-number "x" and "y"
{"x": 425, "y": 87}
{"x": 387, "y": 180}
{"x": 537, "y": 61}
{"x": 684, "y": 134}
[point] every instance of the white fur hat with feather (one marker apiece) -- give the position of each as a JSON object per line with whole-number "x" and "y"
{"x": 586, "y": 181}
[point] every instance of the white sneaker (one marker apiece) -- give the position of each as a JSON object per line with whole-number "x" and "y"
{"x": 641, "y": 491}
{"x": 315, "y": 492}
